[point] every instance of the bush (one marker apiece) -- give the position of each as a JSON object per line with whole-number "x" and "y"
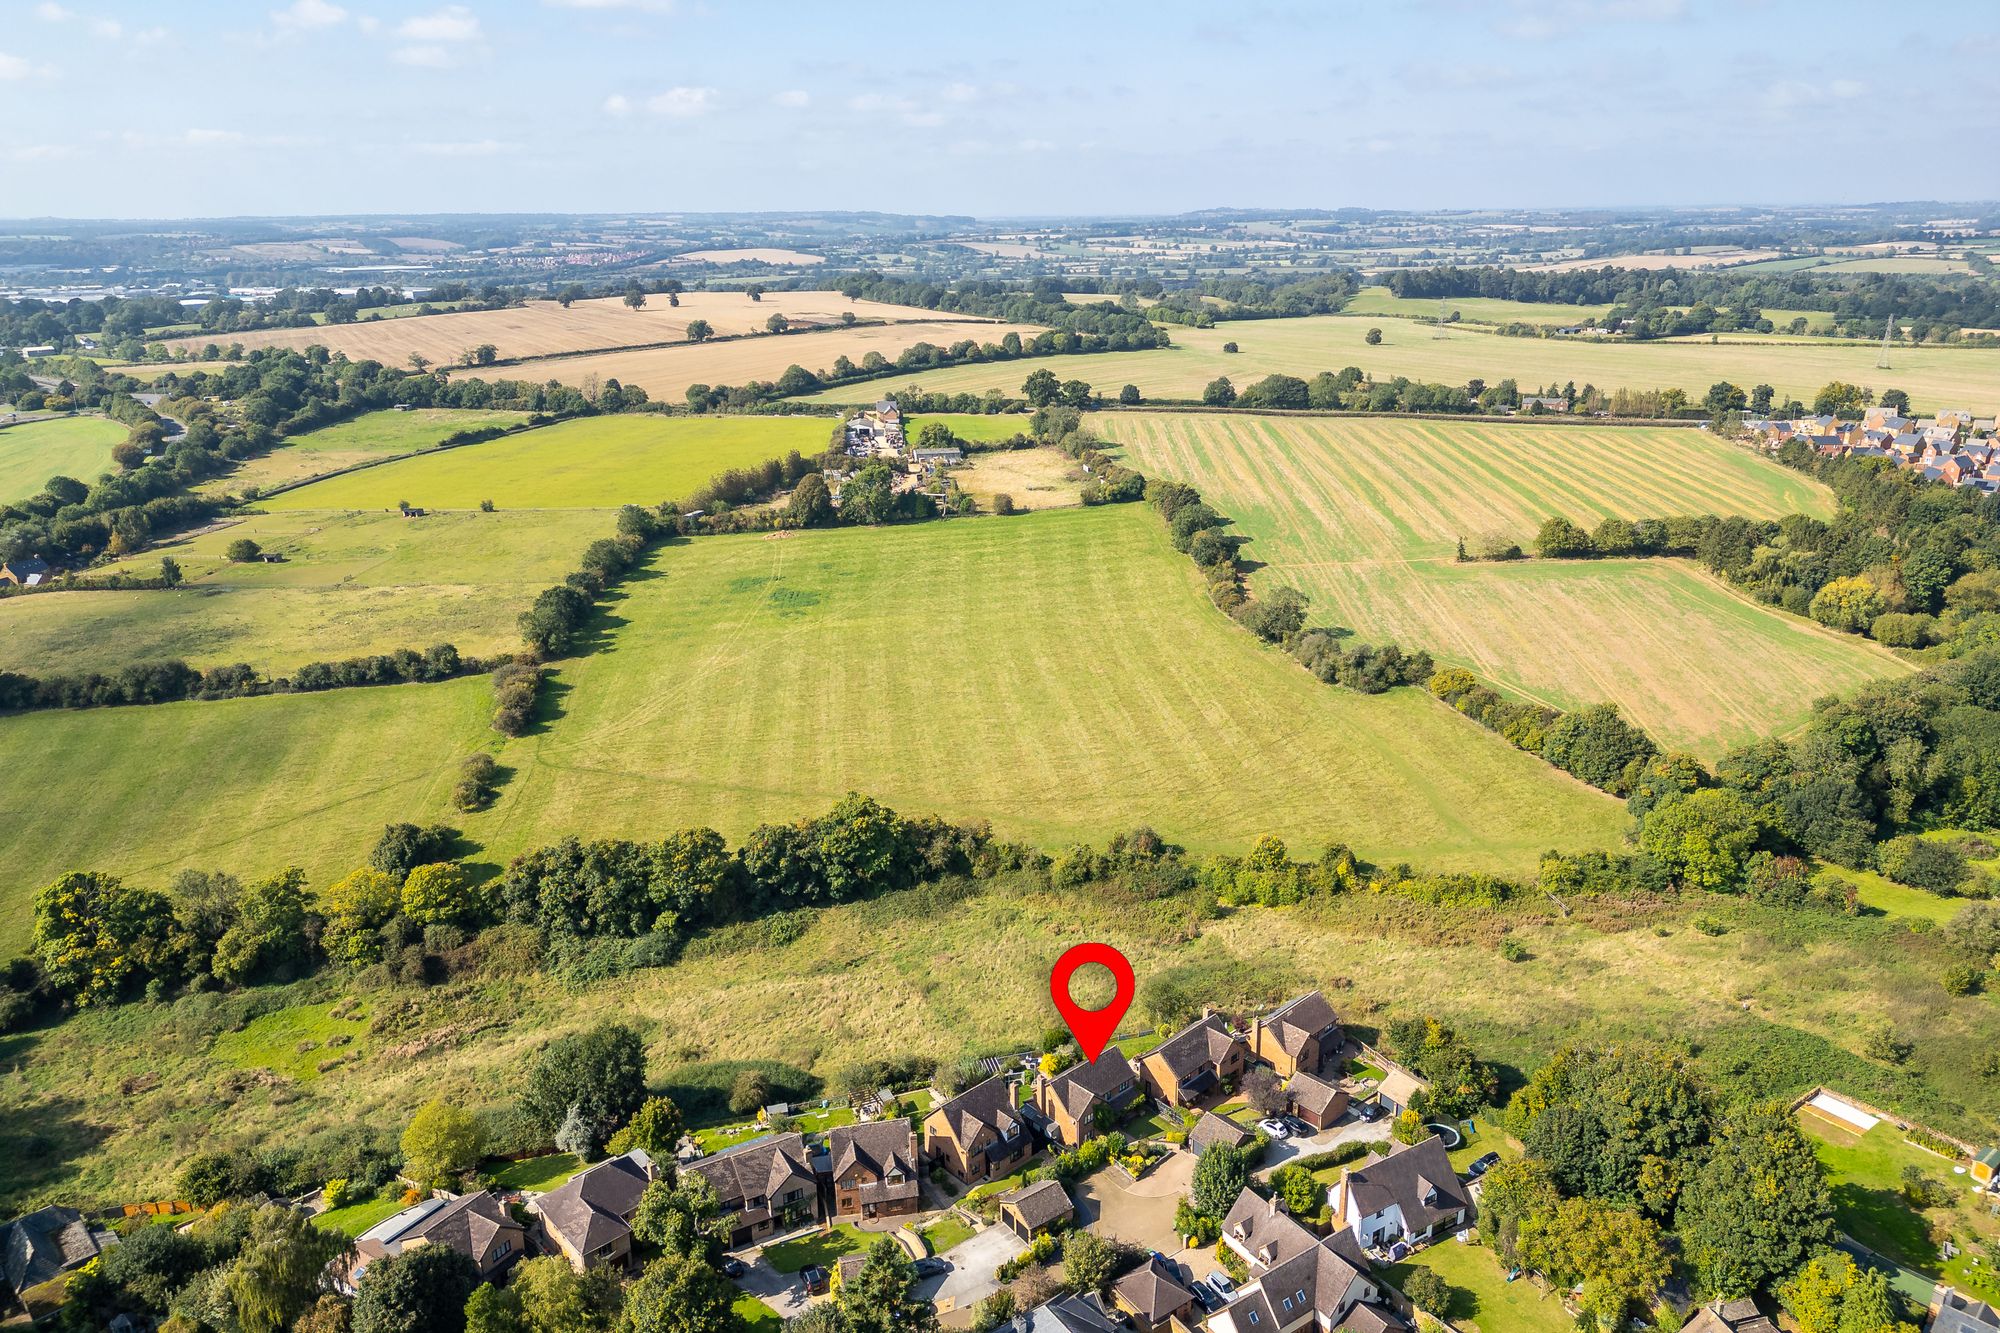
{"x": 1923, "y": 863}
{"x": 1427, "y": 1291}
{"x": 243, "y": 550}
{"x": 1513, "y": 951}
{"x": 1962, "y": 979}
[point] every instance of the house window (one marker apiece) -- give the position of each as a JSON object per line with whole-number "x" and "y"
{"x": 1253, "y": 1317}
{"x": 1299, "y": 1296}
{"x": 1288, "y": 1305}
{"x": 503, "y": 1249}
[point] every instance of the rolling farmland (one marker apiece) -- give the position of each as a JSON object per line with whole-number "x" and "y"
{"x": 544, "y": 328}
{"x": 350, "y": 584}
{"x": 1060, "y": 674}
{"x": 1363, "y": 515}
{"x": 1933, "y": 376}
{"x": 666, "y": 372}
{"x": 78, "y": 447}
{"x": 588, "y": 463}
{"x": 364, "y": 439}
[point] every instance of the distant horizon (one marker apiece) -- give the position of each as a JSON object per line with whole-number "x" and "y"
{"x": 1023, "y": 219}
{"x": 314, "y": 108}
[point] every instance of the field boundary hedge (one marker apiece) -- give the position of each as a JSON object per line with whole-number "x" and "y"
{"x": 1190, "y": 406}
{"x": 483, "y": 434}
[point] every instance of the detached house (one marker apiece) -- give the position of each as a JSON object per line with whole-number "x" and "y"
{"x": 980, "y": 1134}
{"x": 1072, "y": 1099}
{"x": 1411, "y": 1195}
{"x": 45, "y": 1244}
{"x": 1154, "y": 1297}
{"x": 1194, "y": 1061}
{"x": 1298, "y": 1281}
{"x": 29, "y": 571}
{"x": 874, "y": 1169}
{"x": 589, "y": 1218}
{"x": 768, "y": 1186}
{"x": 1298, "y": 1038}
{"x": 476, "y": 1225}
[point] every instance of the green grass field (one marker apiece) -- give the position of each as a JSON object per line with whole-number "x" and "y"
{"x": 1058, "y": 673}
{"x": 245, "y": 785}
{"x": 1363, "y": 515}
{"x": 1470, "y": 309}
{"x": 592, "y": 463}
{"x": 356, "y": 1218}
{"x": 78, "y": 447}
{"x": 751, "y": 679}
{"x": 294, "y": 1041}
{"x": 376, "y": 435}
{"x": 350, "y": 584}
{"x": 971, "y": 425}
{"x": 1932, "y": 376}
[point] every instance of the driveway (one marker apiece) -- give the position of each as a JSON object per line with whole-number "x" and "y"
{"x": 1349, "y": 1130}
{"x": 1139, "y": 1212}
{"x": 783, "y": 1292}
{"x": 970, "y": 1280}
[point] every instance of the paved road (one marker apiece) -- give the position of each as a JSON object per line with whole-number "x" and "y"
{"x": 1347, "y": 1131}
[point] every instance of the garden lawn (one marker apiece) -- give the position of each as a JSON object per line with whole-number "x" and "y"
{"x": 365, "y": 439}
{"x": 819, "y": 1248}
{"x": 589, "y": 463}
{"x": 1866, "y": 1175}
{"x": 356, "y": 1218}
{"x": 947, "y": 1233}
{"x": 1364, "y": 516}
{"x": 1488, "y": 1137}
{"x": 1482, "y": 1299}
{"x": 757, "y": 1317}
{"x": 78, "y": 447}
{"x": 537, "y": 1175}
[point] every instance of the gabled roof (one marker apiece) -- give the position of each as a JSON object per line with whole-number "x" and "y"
{"x": 1039, "y": 1204}
{"x": 1960, "y": 1313}
{"x": 1406, "y": 1179}
{"x": 989, "y": 1104}
{"x": 1312, "y": 1094}
{"x": 1068, "y": 1314}
{"x": 589, "y": 1210}
{"x": 1212, "y": 1128}
{"x": 44, "y": 1244}
{"x": 1264, "y": 1230}
{"x": 1152, "y": 1291}
{"x": 1202, "y": 1043}
{"x": 876, "y": 1148}
{"x": 1300, "y": 1021}
{"x": 1080, "y": 1087}
{"x": 761, "y": 1170}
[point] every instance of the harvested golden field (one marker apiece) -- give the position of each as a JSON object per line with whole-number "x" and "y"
{"x": 1709, "y": 256}
{"x": 544, "y": 328}
{"x": 666, "y": 372}
{"x": 1032, "y": 478}
{"x": 1363, "y": 516}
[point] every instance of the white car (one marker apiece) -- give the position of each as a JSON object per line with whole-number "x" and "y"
{"x": 1277, "y": 1129}
{"x": 1221, "y": 1285}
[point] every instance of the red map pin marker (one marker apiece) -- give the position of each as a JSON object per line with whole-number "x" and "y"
{"x": 1092, "y": 1028}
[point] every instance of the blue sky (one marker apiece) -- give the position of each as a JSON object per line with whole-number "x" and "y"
{"x": 116, "y": 109}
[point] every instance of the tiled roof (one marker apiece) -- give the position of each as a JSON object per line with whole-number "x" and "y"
{"x": 1039, "y": 1204}
{"x": 1313, "y": 1094}
{"x": 760, "y": 1170}
{"x": 1083, "y": 1085}
{"x": 44, "y": 1244}
{"x": 1212, "y": 1128}
{"x": 1200, "y": 1044}
{"x": 1152, "y": 1291}
{"x": 989, "y": 1104}
{"x": 1405, "y": 1179}
{"x": 1300, "y": 1021}
{"x": 589, "y": 1210}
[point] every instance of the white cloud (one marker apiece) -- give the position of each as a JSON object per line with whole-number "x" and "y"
{"x": 16, "y": 68}
{"x": 306, "y": 14}
{"x": 423, "y": 57}
{"x": 681, "y": 103}
{"x": 618, "y": 104}
{"x": 468, "y": 148}
{"x": 453, "y": 23}
{"x": 51, "y": 13}
{"x": 41, "y": 152}
{"x": 197, "y": 138}
{"x": 794, "y": 97}
{"x": 111, "y": 30}
{"x": 643, "y": 6}
{"x": 960, "y": 92}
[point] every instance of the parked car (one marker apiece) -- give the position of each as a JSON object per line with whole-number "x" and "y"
{"x": 1211, "y": 1299}
{"x": 1300, "y": 1129}
{"x": 1220, "y": 1284}
{"x": 733, "y": 1268}
{"x": 1482, "y": 1165}
{"x": 816, "y": 1281}
{"x": 933, "y": 1267}
{"x": 1368, "y": 1111}
{"x": 1277, "y": 1129}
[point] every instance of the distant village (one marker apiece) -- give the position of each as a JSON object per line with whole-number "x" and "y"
{"x": 1953, "y": 447}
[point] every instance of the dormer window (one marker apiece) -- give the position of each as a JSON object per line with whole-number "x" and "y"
{"x": 1253, "y": 1316}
